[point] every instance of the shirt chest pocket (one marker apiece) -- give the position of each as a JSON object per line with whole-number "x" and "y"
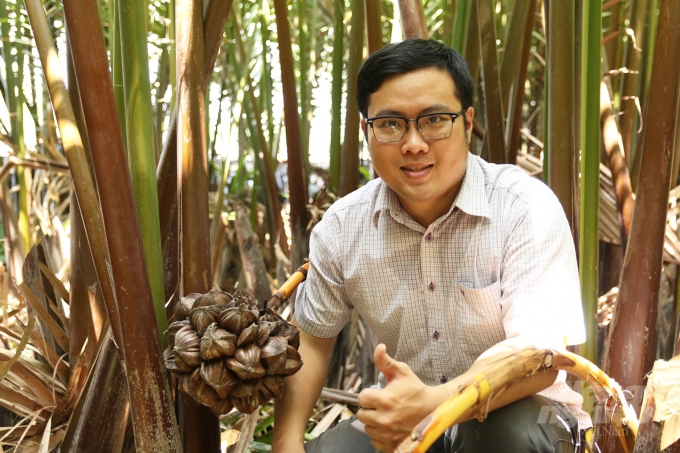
{"x": 478, "y": 316}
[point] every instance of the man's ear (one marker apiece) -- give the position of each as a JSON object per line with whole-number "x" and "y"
{"x": 469, "y": 117}
{"x": 364, "y": 129}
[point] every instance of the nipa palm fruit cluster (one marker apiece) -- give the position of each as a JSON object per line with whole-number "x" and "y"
{"x": 228, "y": 353}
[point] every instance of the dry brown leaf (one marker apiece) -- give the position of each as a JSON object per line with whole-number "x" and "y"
{"x": 57, "y": 284}
{"x": 32, "y": 445}
{"x": 57, "y": 332}
{"x": 5, "y": 367}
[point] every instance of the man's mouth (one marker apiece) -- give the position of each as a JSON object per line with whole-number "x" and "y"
{"x": 416, "y": 168}
{"x": 416, "y": 171}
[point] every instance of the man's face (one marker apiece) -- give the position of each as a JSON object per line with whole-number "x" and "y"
{"x": 425, "y": 174}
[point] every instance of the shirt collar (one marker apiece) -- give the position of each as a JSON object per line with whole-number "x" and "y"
{"x": 471, "y": 197}
{"x": 386, "y": 201}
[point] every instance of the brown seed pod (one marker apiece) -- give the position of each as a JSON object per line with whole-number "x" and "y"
{"x": 186, "y": 389}
{"x": 202, "y": 317}
{"x": 204, "y": 300}
{"x": 193, "y": 386}
{"x": 253, "y": 309}
{"x": 289, "y": 331}
{"x": 187, "y": 349}
{"x": 217, "y": 342}
{"x": 264, "y": 331}
{"x": 243, "y": 297}
{"x": 247, "y": 335}
{"x": 173, "y": 329}
{"x": 169, "y": 361}
{"x": 292, "y": 353}
{"x": 293, "y": 362}
{"x": 236, "y": 319}
{"x": 205, "y": 394}
{"x": 273, "y": 355}
{"x": 272, "y": 387}
{"x": 184, "y": 306}
{"x": 246, "y": 362}
{"x": 222, "y": 407}
{"x": 247, "y": 404}
{"x": 247, "y": 388}
{"x": 216, "y": 374}
{"x": 291, "y": 367}
{"x": 220, "y": 297}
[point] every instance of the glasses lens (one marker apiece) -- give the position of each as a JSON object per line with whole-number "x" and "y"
{"x": 389, "y": 129}
{"x": 435, "y": 126}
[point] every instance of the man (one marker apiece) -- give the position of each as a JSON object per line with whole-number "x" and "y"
{"x": 452, "y": 262}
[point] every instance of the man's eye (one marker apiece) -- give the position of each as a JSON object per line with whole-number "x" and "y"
{"x": 389, "y": 124}
{"x": 435, "y": 119}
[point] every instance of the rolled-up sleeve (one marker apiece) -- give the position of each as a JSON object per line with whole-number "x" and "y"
{"x": 321, "y": 306}
{"x": 540, "y": 287}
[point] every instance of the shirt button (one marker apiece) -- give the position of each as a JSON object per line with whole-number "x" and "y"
{"x": 431, "y": 286}
{"x": 462, "y": 292}
{"x": 435, "y": 335}
{"x": 443, "y": 380}
{"x": 428, "y": 238}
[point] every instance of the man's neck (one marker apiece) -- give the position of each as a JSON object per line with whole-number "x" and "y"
{"x": 426, "y": 213}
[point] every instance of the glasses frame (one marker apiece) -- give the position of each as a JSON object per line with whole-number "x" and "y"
{"x": 453, "y": 116}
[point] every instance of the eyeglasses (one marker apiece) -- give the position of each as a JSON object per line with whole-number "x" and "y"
{"x": 432, "y": 126}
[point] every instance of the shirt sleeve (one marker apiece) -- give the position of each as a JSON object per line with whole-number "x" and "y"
{"x": 541, "y": 297}
{"x": 320, "y": 307}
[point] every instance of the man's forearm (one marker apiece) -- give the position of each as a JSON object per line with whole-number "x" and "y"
{"x": 300, "y": 393}
{"x": 522, "y": 388}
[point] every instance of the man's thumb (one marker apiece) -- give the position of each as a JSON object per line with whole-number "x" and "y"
{"x": 384, "y": 363}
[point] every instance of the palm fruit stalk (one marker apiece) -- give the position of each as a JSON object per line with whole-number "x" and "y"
{"x": 473, "y": 398}
{"x": 227, "y": 352}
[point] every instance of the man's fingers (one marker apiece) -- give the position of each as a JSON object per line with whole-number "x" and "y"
{"x": 368, "y": 398}
{"x": 383, "y": 440}
{"x": 387, "y": 365}
{"x": 381, "y": 446}
{"x": 381, "y": 359}
{"x": 377, "y": 436}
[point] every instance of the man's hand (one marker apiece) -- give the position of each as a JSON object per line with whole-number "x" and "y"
{"x": 300, "y": 392}
{"x": 391, "y": 413}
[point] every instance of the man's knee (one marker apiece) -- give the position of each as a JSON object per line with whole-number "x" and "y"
{"x": 341, "y": 439}
{"x": 533, "y": 424}
{"x": 344, "y": 438}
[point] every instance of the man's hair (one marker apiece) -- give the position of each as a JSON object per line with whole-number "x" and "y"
{"x": 409, "y": 55}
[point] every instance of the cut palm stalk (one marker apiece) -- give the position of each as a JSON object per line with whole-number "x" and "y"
{"x": 473, "y": 398}
{"x": 288, "y": 287}
{"x": 659, "y": 427}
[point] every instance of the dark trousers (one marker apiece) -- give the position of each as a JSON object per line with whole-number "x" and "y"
{"x": 532, "y": 425}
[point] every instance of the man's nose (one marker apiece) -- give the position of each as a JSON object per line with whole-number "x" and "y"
{"x": 414, "y": 142}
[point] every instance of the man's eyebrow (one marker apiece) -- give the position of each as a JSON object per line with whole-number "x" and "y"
{"x": 389, "y": 112}
{"x": 430, "y": 109}
{"x": 435, "y": 108}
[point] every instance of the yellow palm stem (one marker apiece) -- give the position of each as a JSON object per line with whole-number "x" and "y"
{"x": 474, "y": 398}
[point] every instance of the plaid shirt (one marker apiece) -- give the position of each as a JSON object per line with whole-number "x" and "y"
{"x": 499, "y": 264}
